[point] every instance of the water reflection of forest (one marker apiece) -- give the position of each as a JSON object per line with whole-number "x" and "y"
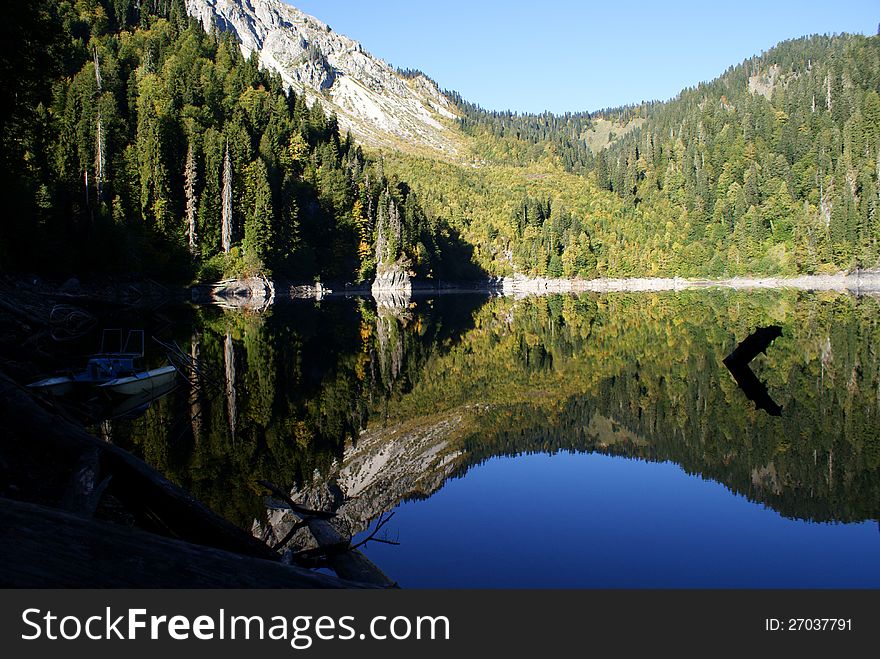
{"x": 329, "y": 393}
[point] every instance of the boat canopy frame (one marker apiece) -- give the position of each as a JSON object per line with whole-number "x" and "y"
{"x": 132, "y": 347}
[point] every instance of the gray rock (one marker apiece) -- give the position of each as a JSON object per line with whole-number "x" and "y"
{"x": 392, "y": 287}
{"x": 255, "y": 293}
{"x": 368, "y": 96}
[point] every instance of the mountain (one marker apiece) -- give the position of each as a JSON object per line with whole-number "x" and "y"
{"x": 380, "y": 106}
{"x": 772, "y": 168}
{"x": 148, "y": 145}
{"x": 117, "y": 154}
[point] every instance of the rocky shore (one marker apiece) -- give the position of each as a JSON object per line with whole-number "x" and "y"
{"x": 394, "y": 288}
{"x": 251, "y": 293}
{"x": 868, "y": 281}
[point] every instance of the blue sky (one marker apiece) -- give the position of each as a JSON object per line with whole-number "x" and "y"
{"x": 564, "y": 55}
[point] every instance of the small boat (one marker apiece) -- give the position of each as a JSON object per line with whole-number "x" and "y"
{"x": 57, "y": 386}
{"x": 144, "y": 382}
{"x": 131, "y": 407}
{"x": 112, "y": 371}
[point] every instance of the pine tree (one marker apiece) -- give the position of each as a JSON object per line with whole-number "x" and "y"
{"x": 381, "y": 246}
{"x": 554, "y": 269}
{"x": 258, "y": 224}
{"x": 394, "y": 230}
{"x": 364, "y": 252}
{"x": 153, "y": 165}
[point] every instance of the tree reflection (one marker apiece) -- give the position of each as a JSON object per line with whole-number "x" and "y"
{"x": 380, "y": 406}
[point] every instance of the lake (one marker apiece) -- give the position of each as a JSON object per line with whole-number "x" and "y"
{"x": 596, "y": 440}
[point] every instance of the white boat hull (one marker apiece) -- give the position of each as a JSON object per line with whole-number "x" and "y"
{"x": 141, "y": 383}
{"x": 59, "y": 386}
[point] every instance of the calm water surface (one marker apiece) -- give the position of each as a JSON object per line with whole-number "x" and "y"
{"x": 560, "y": 441}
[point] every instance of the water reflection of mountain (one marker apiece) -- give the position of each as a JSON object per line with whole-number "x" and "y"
{"x": 641, "y": 376}
{"x": 288, "y": 389}
{"x": 362, "y": 409}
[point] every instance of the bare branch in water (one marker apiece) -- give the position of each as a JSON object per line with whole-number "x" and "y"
{"x": 373, "y": 537}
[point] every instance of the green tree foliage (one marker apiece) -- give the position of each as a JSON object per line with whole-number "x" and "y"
{"x": 34, "y": 51}
{"x": 132, "y": 107}
{"x": 637, "y": 375}
{"x": 771, "y": 169}
{"x": 259, "y": 222}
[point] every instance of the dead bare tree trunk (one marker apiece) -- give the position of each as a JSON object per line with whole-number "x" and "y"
{"x": 350, "y": 563}
{"x": 226, "y": 225}
{"x": 229, "y": 359}
{"x": 195, "y": 400}
{"x": 98, "y": 80}
{"x": 100, "y": 144}
{"x": 189, "y": 189}
{"x": 100, "y": 158}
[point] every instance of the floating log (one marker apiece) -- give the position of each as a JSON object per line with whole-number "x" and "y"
{"x": 346, "y": 562}
{"x": 44, "y": 547}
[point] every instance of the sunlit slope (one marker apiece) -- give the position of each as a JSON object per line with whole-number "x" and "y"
{"x": 771, "y": 168}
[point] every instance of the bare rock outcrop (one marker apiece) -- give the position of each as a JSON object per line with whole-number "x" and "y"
{"x": 379, "y": 105}
{"x": 392, "y": 287}
{"x": 253, "y": 293}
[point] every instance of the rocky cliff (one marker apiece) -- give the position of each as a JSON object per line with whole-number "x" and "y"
{"x": 368, "y": 96}
{"x": 392, "y": 286}
{"x": 254, "y": 293}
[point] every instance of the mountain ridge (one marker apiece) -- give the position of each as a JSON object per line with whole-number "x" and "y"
{"x": 371, "y": 99}
{"x": 142, "y": 117}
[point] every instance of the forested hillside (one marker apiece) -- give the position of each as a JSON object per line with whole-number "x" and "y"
{"x": 133, "y": 141}
{"x": 771, "y": 168}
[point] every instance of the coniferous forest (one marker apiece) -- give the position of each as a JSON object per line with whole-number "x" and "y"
{"x": 774, "y": 167}
{"x": 133, "y": 141}
{"x": 638, "y": 375}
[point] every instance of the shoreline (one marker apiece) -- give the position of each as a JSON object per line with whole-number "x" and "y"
{"x": 863, "y": 282}
{"x": 244, "y": 294}
{"x": 867, "y": 281}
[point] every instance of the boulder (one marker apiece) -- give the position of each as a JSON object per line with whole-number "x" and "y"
{"x": 392, "y": 286}
{"x": 251, "y": 293}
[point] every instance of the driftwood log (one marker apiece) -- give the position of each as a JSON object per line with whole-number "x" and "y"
{"x": 45, "y": 547}
{"x": 347, "y": 563}
{"x": 65, "y": 547}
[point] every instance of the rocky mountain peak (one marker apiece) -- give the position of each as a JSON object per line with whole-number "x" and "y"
{"x": 369, "y": 97}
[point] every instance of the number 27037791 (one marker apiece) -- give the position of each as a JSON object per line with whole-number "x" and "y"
{"x": 808, "y": 624}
